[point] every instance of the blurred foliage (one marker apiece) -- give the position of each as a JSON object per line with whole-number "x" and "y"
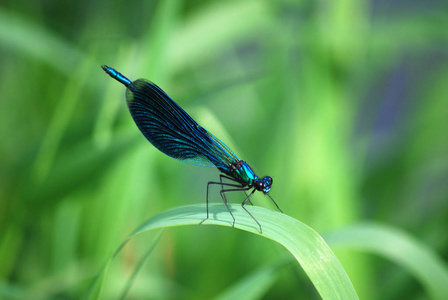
{"x": 343, "y": 103}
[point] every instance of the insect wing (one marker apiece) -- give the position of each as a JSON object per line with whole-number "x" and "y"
{"x": 171, "y": 130}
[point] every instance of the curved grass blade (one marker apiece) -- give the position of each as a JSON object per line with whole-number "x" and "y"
{"x": 95, "y": 289}
{"x": 140, "y": 266}
{"x": 308, "y": 247}
{"x": 400, "y": 248}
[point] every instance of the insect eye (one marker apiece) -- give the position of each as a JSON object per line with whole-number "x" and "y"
{"x": 267, "y": 180}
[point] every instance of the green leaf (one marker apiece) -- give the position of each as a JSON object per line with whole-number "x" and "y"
{"x": 400, "y": 248}
{"x": 307, "y": 246}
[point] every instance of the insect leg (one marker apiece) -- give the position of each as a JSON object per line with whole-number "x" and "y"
{"x": 223, "y": 197}
{"x": 275, "y": 203}
{"x": 231, "y": 190}
{"x": 248, "y": 199}
{"x": 221, "y": 176}
{"x": 244, "y": 202}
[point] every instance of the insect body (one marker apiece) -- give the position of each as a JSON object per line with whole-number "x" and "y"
{"x": 171, "y": 130}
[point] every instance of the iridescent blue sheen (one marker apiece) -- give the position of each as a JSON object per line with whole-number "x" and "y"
{"x": 171, "y": 130}
{"x": 116, "y": 75}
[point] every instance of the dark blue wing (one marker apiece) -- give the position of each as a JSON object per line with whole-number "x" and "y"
{"x": 171, "y": 130}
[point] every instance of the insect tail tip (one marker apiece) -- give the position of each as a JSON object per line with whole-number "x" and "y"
{"x": 104, "y": 67}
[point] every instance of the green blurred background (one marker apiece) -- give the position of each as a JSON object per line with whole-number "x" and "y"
{"x": 344, "y": 103}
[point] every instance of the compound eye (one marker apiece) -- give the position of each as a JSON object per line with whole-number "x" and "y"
{"x": 267, "y": 182}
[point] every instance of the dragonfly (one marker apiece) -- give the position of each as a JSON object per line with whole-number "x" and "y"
{"x": 174, "y": 132}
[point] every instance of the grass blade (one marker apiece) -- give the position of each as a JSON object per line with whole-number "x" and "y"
{"x": 400, "y": 248}
{"x": 95, "y": 289}
{"x": 308, "y": 247}
{"x": 140, "y": 265}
